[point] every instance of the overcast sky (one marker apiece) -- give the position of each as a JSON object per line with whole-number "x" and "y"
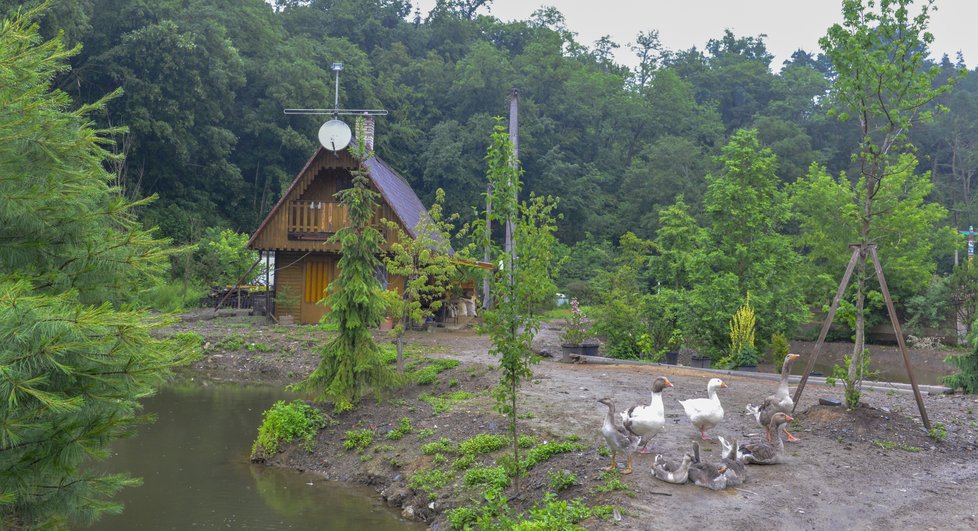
{"x": 788, "y": 24}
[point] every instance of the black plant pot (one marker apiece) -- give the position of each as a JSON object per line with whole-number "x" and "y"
{"x": 672, "y": 357}
{"x": 701, "y": 362}
{"x": 580, "y": 349}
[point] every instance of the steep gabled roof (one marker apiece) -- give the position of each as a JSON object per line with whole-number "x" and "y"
{"x": 398, "y": 194}
{"x": 394, "y": 189}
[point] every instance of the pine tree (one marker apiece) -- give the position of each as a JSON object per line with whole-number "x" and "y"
{"x": 75, "y": 357}
{"x": 351, "y": 364}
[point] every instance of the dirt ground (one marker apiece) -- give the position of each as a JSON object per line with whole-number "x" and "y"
{"x": 873, "y": 468}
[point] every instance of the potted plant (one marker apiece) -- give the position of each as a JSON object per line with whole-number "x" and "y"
{"x": 673, "y": 345}
{"x": 578, "y": 336}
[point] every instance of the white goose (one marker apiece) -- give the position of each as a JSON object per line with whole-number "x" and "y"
{"x": 705, "y": 413}
{"x": 647, "y": 421}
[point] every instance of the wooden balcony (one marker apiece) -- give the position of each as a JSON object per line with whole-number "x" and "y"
{"x": 315, "y": 220}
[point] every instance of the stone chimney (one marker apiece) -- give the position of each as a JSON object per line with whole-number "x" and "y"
{"x": 368, "y": 131}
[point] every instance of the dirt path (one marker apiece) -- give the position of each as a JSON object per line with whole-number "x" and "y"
{"x": 874, "y": 468}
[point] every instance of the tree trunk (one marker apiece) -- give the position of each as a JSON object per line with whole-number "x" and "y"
{"x": 400, "y": 348}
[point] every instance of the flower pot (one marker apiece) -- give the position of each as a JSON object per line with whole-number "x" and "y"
{"x": 672, "y": 357}
{"x": 579, "y": 349}
{"x": 702, "y": 362}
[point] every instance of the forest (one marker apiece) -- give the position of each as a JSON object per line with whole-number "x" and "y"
{"x": 643, "y": 159}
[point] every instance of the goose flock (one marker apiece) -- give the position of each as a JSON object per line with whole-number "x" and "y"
{"x": 640, "y": 423}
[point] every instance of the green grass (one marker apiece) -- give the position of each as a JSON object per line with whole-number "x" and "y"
{"x": 562, "y": 480}
{"x": 403, "y": 428}
{"x": 358, "y": 440}
{"x": 482, "y": 444}
{"x": 429, "y": 481}
{"x": 495, "y": 479}
{"x": 442, "y": 445}
{"x": 285, "y": 422}
{"x": 428, "y": 374}
{"x": 444, "y": 403}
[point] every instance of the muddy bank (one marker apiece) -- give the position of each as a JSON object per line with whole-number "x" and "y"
{"x": 872, "y": 468}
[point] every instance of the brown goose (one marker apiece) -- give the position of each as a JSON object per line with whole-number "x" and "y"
{"x": 762, "y": 452}
{"x": 736, "y": 472}
{"x": 671, "y": 471}
{"x": 705, "y": 474}
{"x": 781, "y": 400}
{"x": 647, "y": 421}
{"x": 618, "y": 439}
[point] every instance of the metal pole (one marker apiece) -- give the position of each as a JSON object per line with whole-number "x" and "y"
{"x": 826, "y": 324}
{"x": 514, "y": 139}
{"x": 899, "y": 334}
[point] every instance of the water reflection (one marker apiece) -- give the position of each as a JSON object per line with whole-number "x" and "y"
{"x": 196, "y": 473}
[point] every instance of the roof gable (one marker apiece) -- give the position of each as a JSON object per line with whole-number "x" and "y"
{"x": 394, "y": 189}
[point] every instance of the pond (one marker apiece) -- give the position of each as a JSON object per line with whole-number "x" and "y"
{"x": 196, "y": 473}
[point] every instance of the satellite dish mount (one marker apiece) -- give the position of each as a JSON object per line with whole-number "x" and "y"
{"x": 335, "y": 134}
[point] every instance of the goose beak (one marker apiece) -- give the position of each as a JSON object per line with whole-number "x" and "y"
{"x": 723, "y": 386}
{"x": 789, "y": 417}
{"x": 668, "y": 383}
{"x": 793, "y": 357}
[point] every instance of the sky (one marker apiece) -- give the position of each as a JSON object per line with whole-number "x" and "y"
{"x": 682, "y": 24}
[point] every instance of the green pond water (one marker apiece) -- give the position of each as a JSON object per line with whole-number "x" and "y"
{"x": 196, "y": 474}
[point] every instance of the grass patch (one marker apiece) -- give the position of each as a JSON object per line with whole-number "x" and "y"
{"x": 285, "y": 422}
{"x": 428, "y": 374}
{"x": 425, "y": 433}
{"x": 444, "y": 403}
{"x": 442, "y": 445}
{"x": 429, "y": 481}
{"x": 231, "y": 342}
{"x": 612, "y": 482}
{"x": 544, "y": 452}
{"x": 937, "y": 432}
{"x": 562, "y": 480}
{"x": 482, "y": 444}
{"x": 358, "y": 440}
{"x": 495, "y": 479}
{"x": 259, "y": 347}
{"x": 403, "y": 428}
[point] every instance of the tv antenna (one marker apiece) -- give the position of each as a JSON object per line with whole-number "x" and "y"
{"x": 335, "y": 134}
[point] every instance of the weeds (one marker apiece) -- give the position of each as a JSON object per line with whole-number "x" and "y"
{"x": 403, "y": 428}
{"x": 937, "y": 432}
{"x": 562, "y": 480}
{"x": 358, "y": 440}
{"x": 285, "y": 422}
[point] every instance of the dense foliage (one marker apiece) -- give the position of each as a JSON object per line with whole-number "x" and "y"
{"x": 75, "y": 355}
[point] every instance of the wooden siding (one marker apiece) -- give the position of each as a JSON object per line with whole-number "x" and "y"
{"x": 288, "y": 284}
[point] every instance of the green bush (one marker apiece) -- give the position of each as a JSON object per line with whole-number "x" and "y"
{"x": 403, "y": 428}
{"x": 562, "y": 480}
{"x": 482, "y": 443}
{"x": 358, "y": 440}
{"x": 490, "y": 478}
{"x": 442, "y": 445}
{"x": 429, "y": 374}
{"x": 429, "y": 481}
{"x": 285, "y": 422}
{"x": 779, "y": 347}
{"x": 171, "y": 297}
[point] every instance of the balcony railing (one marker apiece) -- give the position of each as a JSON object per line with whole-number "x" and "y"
{"x": 315, "y": 219}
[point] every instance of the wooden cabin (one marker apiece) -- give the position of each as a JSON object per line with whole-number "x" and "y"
{"x": 296, "y": 230}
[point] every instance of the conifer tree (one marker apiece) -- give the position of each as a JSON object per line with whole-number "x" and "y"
{"x": 75, "y": 357}
{"x": 351, "y": 364}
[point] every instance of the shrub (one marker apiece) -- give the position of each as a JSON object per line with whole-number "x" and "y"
{"x": 358, "y": 440}
{"x": 562, "y": 480}
{"x": 937, "y": 432}
{"x": 285, "y": 422}
{"x": 780, "y": 346}
{"x": 482, "y": 444}
{"x": 442, "y": 445}
{"x": 491, "y": 478}
{"x": 429, "y": 481}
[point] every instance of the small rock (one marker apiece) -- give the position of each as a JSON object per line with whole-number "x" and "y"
{"x": 408, "y": 513}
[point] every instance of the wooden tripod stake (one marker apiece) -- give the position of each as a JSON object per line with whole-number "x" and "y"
{"x": 871, "y": 250}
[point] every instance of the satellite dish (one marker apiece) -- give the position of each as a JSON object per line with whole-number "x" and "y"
{"x": 335, "y": 135}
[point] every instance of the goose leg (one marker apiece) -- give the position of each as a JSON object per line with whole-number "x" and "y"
{"x": 791, "y": 438}
{"x": 643, "y": 449}
{"x": 703, "y": 435}
{"x": 613, "y": 464}
{"x": 628, "y": 470}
